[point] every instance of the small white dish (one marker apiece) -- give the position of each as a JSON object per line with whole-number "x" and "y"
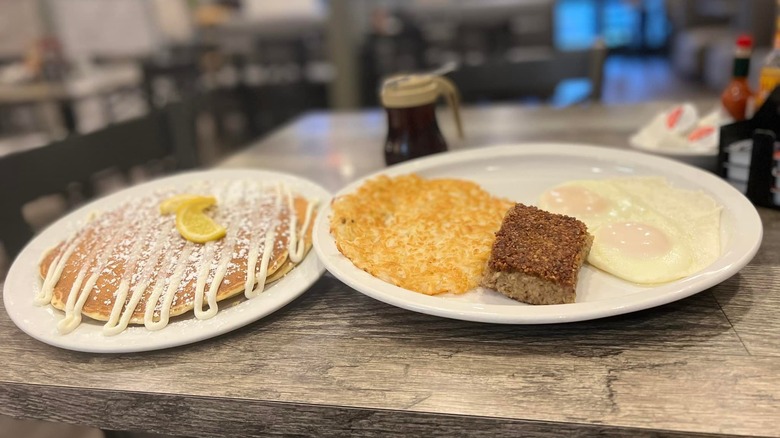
{"x": 23, "y": 280}
{"x": 703, "y": 159}
{"x": 521, "y": 172}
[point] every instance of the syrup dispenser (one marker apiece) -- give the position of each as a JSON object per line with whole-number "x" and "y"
{"x": 410, "y": 102}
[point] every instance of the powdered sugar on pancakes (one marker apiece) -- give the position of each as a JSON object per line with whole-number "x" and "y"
{"x": 146, "y": 253}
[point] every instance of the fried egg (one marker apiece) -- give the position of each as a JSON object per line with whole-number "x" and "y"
{"x": 645, "y": 230}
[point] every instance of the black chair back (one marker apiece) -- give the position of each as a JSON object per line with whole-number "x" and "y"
{"x": 28, "y": 175}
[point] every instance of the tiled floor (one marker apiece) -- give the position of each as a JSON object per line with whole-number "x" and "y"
{"x": 627, "y": 80}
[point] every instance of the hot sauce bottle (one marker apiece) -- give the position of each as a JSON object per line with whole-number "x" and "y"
{"x": 737, "y": 94}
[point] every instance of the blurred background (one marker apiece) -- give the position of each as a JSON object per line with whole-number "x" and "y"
{"x": 76, "y": 66}
{"x": 216, "y": 75}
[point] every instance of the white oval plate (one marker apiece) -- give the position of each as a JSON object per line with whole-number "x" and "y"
{"x": 23, "y": 280}
{"x": 522, "y": 172}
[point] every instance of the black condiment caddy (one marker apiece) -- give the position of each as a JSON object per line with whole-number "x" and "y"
{"x": 749, "y": 152}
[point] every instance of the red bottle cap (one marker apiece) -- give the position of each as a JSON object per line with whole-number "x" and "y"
{"x": 745, "y": 41}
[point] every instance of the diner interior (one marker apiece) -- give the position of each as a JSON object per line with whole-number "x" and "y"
{"x": 227, "y": 73}
{"x": 100, "y": 95}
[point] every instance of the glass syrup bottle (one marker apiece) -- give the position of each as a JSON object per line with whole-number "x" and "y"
{"x": 410, "y": 103}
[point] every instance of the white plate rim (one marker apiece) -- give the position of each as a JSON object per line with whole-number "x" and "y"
{"x": 23, "y": 272}
{"x": 726, "y": 266}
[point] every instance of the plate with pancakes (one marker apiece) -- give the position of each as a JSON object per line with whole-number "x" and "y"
{"x": 536, "y": 233}
{"x": 168, "y": 262}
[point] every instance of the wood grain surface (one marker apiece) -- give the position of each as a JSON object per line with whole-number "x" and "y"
{"x": 335, "y": 362}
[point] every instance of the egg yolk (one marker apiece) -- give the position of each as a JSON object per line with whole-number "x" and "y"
{"x": 636, "y": 240}
{"x": 575, "y": 201}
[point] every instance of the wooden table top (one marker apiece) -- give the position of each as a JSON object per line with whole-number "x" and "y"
{"x": 336, "y": 362}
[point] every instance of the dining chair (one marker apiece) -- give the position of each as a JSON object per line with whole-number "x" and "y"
{"x": 28, "y": 175}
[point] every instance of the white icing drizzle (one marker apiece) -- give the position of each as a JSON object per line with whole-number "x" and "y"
{"x": 297, "y": 245}
{"x": 75, "y": 301}
{"x": 116, "y": 311}
{"x": 53, "y": 274}
{"x": 255, "y": 282}
{"x": 138, "y": 289}
{"x": 173, "y": 286}
{"x": 147, "y": 253}
{"x": 205, "y": 268}
{"x": 219, "y": 275}
{"x": 234, "y": 191}
{"x": 179, "y": 265}
{"x": 71, "y": 321}
{"x": 200, "y": 285}
{"x": 112, "y": 326}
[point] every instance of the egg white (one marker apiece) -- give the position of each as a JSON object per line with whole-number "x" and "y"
{"x": 687, "y": 222}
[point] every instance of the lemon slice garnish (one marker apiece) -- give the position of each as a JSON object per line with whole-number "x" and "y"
{"x": 172, "y": 204}
{"x": 194, "y": 225}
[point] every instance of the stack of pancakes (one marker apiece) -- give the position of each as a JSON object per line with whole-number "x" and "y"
{"x": 136, "y": 245}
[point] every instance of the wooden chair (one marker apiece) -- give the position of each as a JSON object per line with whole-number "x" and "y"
{"x": 50, "y": 169}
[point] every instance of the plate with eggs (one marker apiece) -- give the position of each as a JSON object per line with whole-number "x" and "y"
{"x": 536, "y": 233}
